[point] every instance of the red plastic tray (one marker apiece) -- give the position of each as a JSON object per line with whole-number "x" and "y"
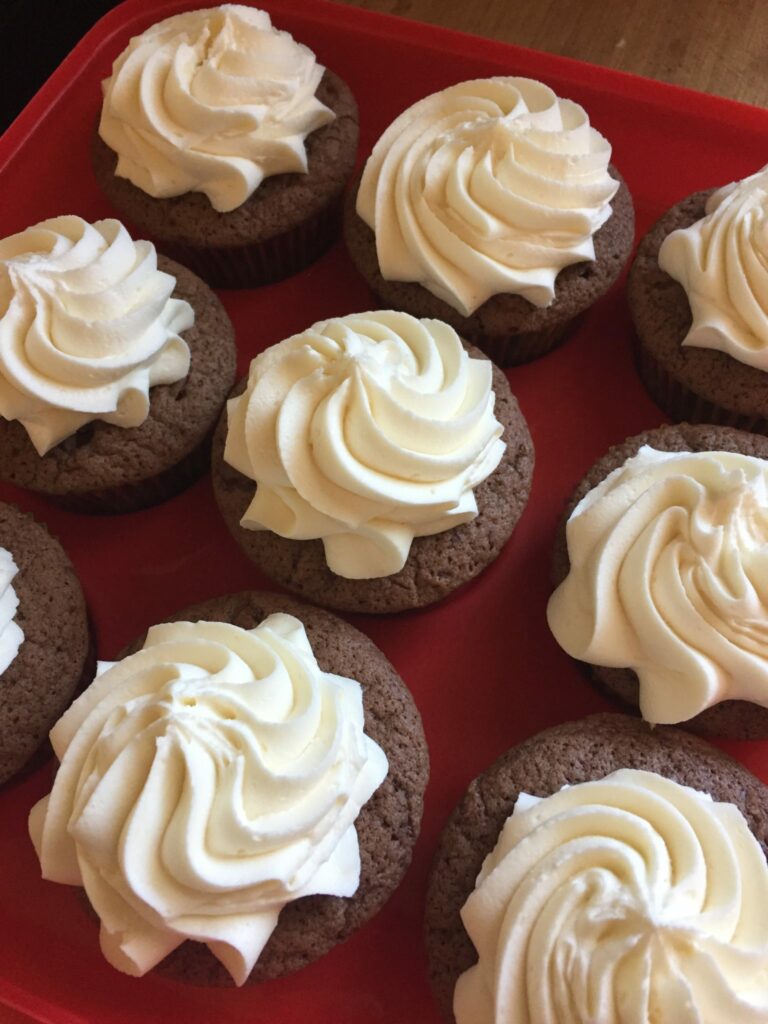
{"x": 482, "y": 666}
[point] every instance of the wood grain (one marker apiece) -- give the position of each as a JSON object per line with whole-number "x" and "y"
{"x": 716, "y": 46}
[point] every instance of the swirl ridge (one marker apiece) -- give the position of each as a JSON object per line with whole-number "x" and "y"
{"x": 631, "y": 899}
{"x": 489, "y": 187}
{"x": 366, "y": 431}
{"x": 205, "y": 782}
{"x": 87, "y": 326}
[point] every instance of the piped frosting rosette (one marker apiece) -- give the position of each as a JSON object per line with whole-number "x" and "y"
{"x": 11, "y": 634}
{"x": 87, "y": 326}
{"x": 628, "y": 900}
{"x": 366, "y": 431}
{"x": 205, "y": 782}
{"x": 722, "y": 263}
{"x": 211, "y": 101}
{"x": 669, "y": 576}
{"x": 489, "y": 187}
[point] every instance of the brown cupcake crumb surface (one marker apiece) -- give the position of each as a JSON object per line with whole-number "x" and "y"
{"x": 55, "y": 658}
{"x": 388, "y": 824}
{"x": 105, "y": 468}
{"x": 436, "y": 565}
{"x": 567, "y": 754}
{"x": 736, "y": 719}
{"x": 689, "y": 383}
{"x": 507, "y": 327}
{"x": 285, "y": 225}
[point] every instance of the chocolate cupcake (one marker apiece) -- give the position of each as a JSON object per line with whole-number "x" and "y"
{"x": 372, "y": 464}
{"x": 241, "y": 772}
{"x": 647, "y": 888}
{"x": 660, "y": 572}
{"x": 698, "y": 293}
{"x": 45, "y": 648}
{"x": 238, "y": 170}
{"x": 117, "y": 365}
{"x": 506, "y": 227}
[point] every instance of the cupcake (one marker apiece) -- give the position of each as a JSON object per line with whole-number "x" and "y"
{"x": 45, "y": 647}
{"x": 662, "y": 576}
{"x": 698, "y": 293}
{"x": 490, "y": 206}
{"x": 602, "y": 871}
{"x": 372, "y": 463}
{"x": 114, "y": 366}
{"x": 238, "y": 795}
{"x": 227, "y": 144}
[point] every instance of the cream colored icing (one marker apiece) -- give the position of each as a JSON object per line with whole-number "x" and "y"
{"x": 205, "y": 782}
{"x": 211, "y": 101}
{"x": 11, "y": 634}
{"x": 488, "y": 187}
{"x": 366, "y": 431}
{"x": 629, "y": 900}
{"x": 87, "y": 326}
{"x": 669, "y": 577}
{"x": 722, "y": 263}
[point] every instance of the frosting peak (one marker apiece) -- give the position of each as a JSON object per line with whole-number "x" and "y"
{"x": 211, "y": 101}
{"x": 366, "y": 431}
{"x": 669, "y": 577}
{"x": 491, "y": 186}
{"x": 629, "y": 900}
{"x": 205, "y": 782}
{"x": 722, "y": 263}
{"x": 87, "y": 326}
{"x": 11, "y": 634}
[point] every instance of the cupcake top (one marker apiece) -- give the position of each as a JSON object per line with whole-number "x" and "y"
{"x": 205, "y": 782}
{"x": 722, "y": 263}
{"x": 11, "y": 634}
{"x": 488, "y": 187}
{"x": 669, "y": 576}
{"x": 211, "y": 101}
{"x": 628, "y": 899}
{"x": 365, "y": 431}
{"x": 87, "y": 326}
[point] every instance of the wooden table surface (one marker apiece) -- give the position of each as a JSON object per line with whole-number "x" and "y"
{"x": 717, "y": 46}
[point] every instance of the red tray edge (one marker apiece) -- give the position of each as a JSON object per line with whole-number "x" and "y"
{"x": 390, "y": 26}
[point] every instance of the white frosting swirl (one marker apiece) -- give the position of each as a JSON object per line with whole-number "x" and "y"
{"x": 211, "y": 101}
{"x": 722, "y": 263}
{"x": 630, "y": 900}
{"x": 366, "y": 431}
{"x": 204, "y": 783}
{"x": 87, "y": 326}
{"x": 489, "y": 187}
{"x": 669, "y": 576}
{"x": 11, "y": 634}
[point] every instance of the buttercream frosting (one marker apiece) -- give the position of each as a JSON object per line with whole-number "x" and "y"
{"x": 488, "y": 187}
{"x": 365, "y": 431}
{"x": 11, "y": 633}
{"x": 205, "y": 782}
{"x": 669, "y": 577}
{"x": 722, "y": 263}
{"x": 629, "y": 900}
{"x": 87, "y": 326}
{"x": 211, "y": 101}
